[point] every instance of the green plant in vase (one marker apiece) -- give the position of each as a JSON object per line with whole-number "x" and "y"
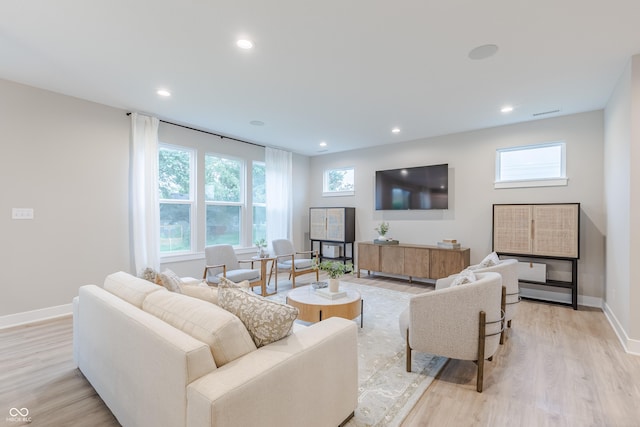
{"x": 335, "y": 270}
{"x": 382, "y": 230}
{"x": 261, "y": 244}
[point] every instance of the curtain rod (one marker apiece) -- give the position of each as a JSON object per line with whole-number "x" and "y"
{"x": 207, "y": 132}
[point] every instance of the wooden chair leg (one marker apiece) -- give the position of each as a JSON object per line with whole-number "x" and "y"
{"x": 503, "y": 306}
{"x": 508, "y": 323}
{"x": 408, "y": 353}
{"x": 481, "y": 337}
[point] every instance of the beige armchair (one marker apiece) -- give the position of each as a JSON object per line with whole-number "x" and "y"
{"x": 508, "y": 269}
{"x": 296, "y": 263}
{"x": 462, "y": 322}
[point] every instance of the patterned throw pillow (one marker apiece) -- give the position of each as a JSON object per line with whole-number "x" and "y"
{"x": 490, "y": 260}
{"x": 170, "y": 280}
{"x": 465, "y": 276}
{"x": 231, "y": 283}
{"x": 267, "y": 321}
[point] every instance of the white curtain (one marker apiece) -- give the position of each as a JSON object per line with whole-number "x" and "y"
{"x": 144, "y": 192}
{"x": 278, "y": 174}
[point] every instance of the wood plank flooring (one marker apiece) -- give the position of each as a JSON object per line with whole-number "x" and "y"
{"x": 558, "y": 367}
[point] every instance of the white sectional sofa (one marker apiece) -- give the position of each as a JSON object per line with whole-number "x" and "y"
{"x": 199, "y": 367}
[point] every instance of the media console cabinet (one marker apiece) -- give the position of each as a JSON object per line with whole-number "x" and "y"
{"x": 420, "y": 261}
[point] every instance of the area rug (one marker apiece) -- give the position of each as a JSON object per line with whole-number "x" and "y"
{"x": 387, "y": 392}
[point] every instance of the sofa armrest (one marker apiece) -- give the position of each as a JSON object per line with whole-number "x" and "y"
{"x": 308, "y": 378}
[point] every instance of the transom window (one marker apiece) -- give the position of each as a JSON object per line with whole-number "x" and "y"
{"x": 339, "y": 182}
{"x": 531, "y": 166}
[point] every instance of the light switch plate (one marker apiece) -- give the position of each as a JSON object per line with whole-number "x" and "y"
{"x": 22, "y": 213}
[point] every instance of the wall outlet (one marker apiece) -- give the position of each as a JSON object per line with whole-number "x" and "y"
{"x": 22, "y": 213}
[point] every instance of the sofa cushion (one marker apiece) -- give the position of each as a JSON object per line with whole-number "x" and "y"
{"x": 205, "y": 293}
{"x": 130, "y": 288}
{"x": 267, "y": 321}
{"x": 222, "y": 331}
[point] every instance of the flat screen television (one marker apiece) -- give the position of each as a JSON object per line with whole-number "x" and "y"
{"x": 423, "y": 187}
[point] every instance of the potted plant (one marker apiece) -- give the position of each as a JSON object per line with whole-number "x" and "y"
{"x": 382, "y": 230}
{"x": 335, "y": 270}
{"x": 261, "y": 244}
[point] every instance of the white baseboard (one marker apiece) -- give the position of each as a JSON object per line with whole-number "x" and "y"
{"x": 25, "y": 317}
{"x": 561, "y": 297}
{"x": 630, "y": 346}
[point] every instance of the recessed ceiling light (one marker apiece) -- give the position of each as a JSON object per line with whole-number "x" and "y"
{"x": 483, "y": 52}
{"x": 506, "y": 109}
{"x": 163, "y": 92}
{"x": 395, "y": 130}
{"x": 323, "y": 144}
{"x": 244, "y": 44}
{"x": 256, "y": 123}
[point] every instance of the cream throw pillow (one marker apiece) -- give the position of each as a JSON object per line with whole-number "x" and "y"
{"x": 267, "y": 321}
{"x": 490, "y": 260}
{"x": 170, "y": 280}
{"x": 465, "y": 276}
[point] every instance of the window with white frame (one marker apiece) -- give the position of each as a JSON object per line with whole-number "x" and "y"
{"x": 176, "y": 197}
{"x": 259, "y": 200}
{"x": 338, "y": 182}
{"x": 535, "y": 165}
{"x": 224, "y": 200}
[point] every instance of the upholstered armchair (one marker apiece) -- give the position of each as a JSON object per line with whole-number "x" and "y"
{"x": 508, "y": 269}
{"x": 222, "y": 262}
{"x": 461, "y": 322}
{"x": 296, "y": 263}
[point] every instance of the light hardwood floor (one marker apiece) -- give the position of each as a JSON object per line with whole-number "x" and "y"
{"x": 558, "y": 367}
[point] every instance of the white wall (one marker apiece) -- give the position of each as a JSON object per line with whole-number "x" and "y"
{"x": 471, "y": 159}
{"x": 68, "y": 159}
{"x": 622, "y": 198}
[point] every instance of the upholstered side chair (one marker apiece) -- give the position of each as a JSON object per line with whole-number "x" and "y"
{"x": 221, "y": 261}
{"x": 461, "y": 322}
{"x": 296, "y": 263}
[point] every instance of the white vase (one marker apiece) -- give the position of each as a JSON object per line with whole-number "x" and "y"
{"x": 382, "y": 238}
{"x": 334, "y": 285}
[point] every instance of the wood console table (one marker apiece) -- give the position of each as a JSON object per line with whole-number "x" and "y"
{"x": 428, "y": 262}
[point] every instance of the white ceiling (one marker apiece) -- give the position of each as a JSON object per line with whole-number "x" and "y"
{"x": 340, "y": 71}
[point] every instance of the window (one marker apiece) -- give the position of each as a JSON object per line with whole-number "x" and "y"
{"x": 224, "y": 200}
{"x": 259, "y": 189}
{"x": 175, "y": 186}
{"x": 531, "y": 166}
{"x": 338, "y": 182}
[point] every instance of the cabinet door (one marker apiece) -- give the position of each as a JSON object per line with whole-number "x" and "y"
{"x": 555, "y": 230}
{"x": 392, "y": 259}
{"x": 445, "y": 262}
{"x": 317, "y": 223}
{"x": 335, "y": 224}
{"x": 416, "y": 262}
{"x": 368, "y": 257}
{"x": 512, "y": 229}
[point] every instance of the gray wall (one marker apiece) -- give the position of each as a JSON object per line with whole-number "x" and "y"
{"x": 622, "y": 198}
{"x": 68, "y": 159}
{"x": 471, "y": 159}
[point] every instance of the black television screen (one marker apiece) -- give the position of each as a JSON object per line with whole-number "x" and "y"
{"x": 423, "y": 187}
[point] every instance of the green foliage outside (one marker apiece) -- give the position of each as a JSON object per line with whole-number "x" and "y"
{"x": 340, "y": 180}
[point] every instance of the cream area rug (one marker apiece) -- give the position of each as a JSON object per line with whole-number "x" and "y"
{"x": 387, "y": 392}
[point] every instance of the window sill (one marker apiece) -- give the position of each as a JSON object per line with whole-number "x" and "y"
{"x": 338, "y": 193}
{"x": 191, "y": 256}
{"x": 555, "y": 182}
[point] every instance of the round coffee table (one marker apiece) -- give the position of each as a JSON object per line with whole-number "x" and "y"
{"x": 314, "y": 308}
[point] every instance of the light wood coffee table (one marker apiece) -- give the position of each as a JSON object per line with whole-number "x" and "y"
{"x": 314, "y": 308}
